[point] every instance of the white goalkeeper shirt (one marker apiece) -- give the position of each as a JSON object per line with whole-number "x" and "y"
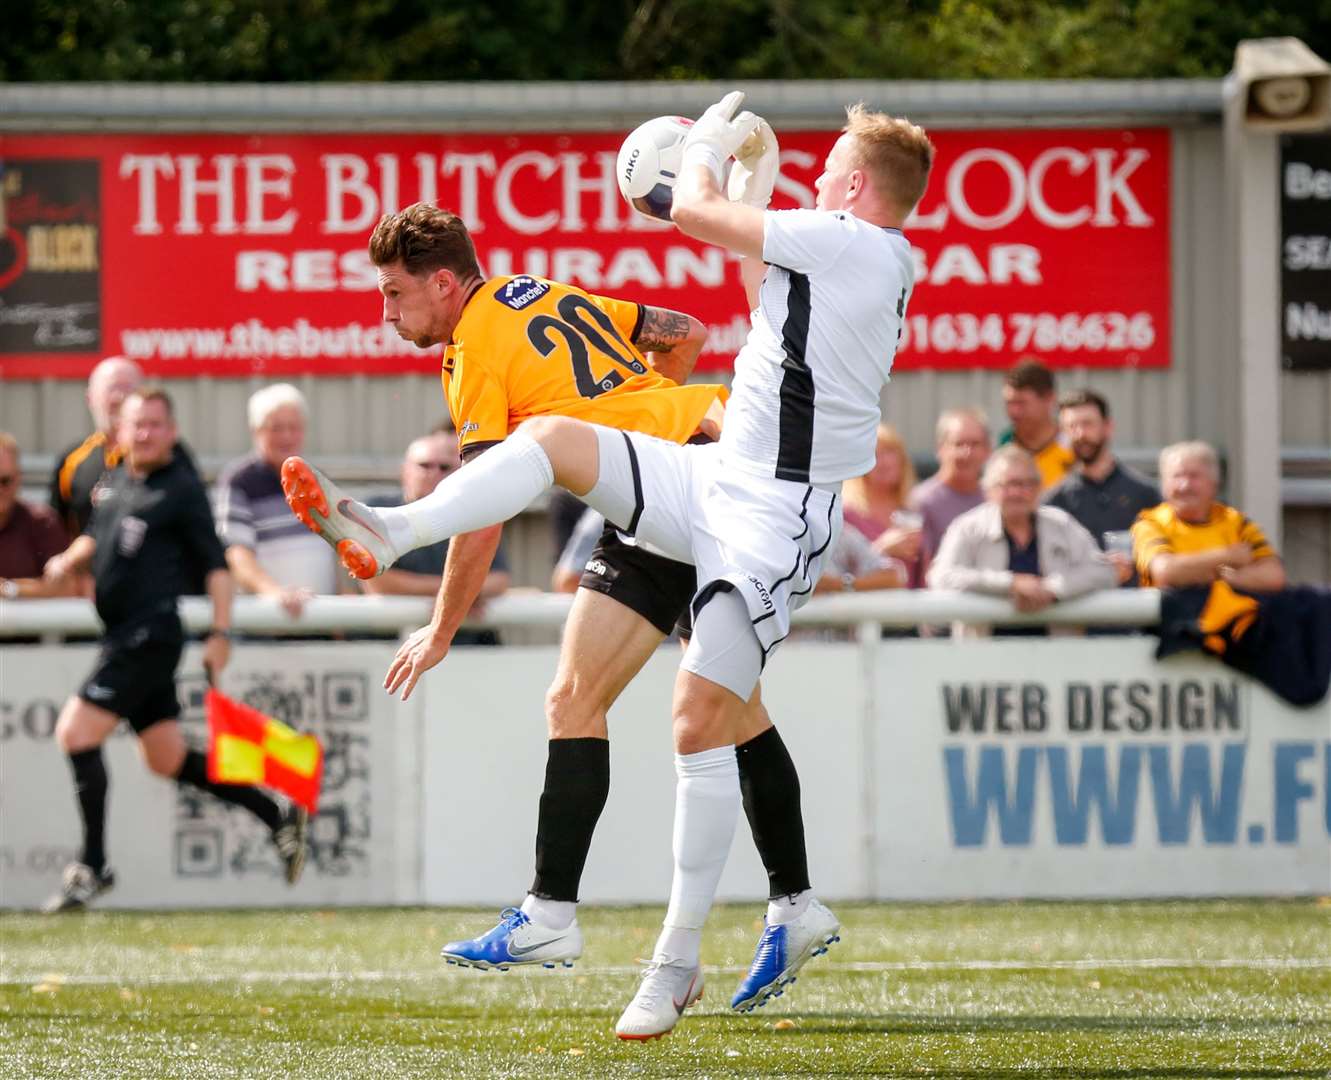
{"x": 805, "y": 402}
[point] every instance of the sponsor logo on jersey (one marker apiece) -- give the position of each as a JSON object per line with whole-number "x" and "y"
{"x": 468, "y": 428}
{"x": 597, "y": 567}
{"x": 520, "y": 291}
{"x": 761, "y": 589}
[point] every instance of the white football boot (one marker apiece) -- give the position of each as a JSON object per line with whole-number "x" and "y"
{"x": 667, "y": 989}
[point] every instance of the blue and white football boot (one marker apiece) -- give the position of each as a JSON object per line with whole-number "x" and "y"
{"x": 517, "y": 942}
{"x": 782, "y": 951}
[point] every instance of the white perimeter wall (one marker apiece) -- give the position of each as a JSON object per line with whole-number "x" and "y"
{"x": 1094, "y": 772}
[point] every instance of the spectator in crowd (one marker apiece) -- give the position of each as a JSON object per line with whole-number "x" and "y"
{"x": 1028, "y": 397}
{"x": 1193, "y": 539}
{"x": 875, "y": 503}
{"x": 420, "y": 572}
{"x": 29, "y": 535}
{"x": 78, "y": 469}
{"x": 1102, "y": 493}
{"x": 855, "y": 565}
{"x": 1225, "y": 590}
{"x": 962, "y": 439}
{"x": 1012, "y": 546}
{"x": 269, "y": 552}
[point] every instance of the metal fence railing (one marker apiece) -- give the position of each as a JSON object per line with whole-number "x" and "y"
{"x": 391, "y": 614}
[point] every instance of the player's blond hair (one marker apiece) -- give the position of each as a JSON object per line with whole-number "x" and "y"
{"x": 424, "y": 239}
{"x": 895, "y": 153}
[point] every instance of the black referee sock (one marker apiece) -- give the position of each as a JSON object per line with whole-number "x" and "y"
{"x": 577, "y": 783}
{"x": 194, "y": 771}
{"x": 770, "y": 787}
{"x": 90, "y": 784}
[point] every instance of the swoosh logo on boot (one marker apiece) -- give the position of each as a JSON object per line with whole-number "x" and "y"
{"x": 680, "y": 1006}
{"x": 344, "y": 508}
{"x": 523, "y": 950}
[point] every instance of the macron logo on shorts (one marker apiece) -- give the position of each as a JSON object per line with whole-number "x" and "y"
{"x": 521, "y": 291}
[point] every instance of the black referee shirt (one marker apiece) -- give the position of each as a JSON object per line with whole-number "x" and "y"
{"x": 151, "y": 533}
{"x": 77, "y": 472}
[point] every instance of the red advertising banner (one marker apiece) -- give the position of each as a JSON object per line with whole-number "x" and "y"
{"x": 231, "y": 254}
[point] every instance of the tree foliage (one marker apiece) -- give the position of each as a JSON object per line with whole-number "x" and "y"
{"x": 388, "y": 40}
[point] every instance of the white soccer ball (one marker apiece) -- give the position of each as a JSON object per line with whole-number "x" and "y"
{"x": 648, "y": 164}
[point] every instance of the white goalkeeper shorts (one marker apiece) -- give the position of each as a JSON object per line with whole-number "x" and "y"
{"x": 761, "y": 539}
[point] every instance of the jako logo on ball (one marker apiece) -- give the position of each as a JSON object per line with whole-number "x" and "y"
{"x": 648, "y": 164}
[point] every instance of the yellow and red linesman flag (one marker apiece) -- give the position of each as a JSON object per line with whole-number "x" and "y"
{"x": 246, "y": 747}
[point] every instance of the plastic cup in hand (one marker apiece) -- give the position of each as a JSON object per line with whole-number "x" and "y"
{"x": 1118, "y": 540}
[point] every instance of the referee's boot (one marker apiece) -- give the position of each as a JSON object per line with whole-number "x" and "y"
{"x": 80, "y": 885}
{"x": 354, "y": 529}
{"x": 289, "y": 839}
{"x": 516, "y": 942}
{"x": 782, "y": 950}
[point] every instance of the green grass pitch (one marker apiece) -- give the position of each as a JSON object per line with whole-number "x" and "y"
{"x": 1178, "y": 990}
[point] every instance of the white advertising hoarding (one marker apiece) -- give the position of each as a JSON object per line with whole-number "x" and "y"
{"x": 1082, "y": 768}
{"x": 929, "y": 770}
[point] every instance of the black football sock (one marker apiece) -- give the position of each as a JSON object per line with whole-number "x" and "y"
{"x": 770, "y": 787}
{"x": 577, "y": 783}
{"x": 194, "y": 771}
{"x": 90, "y": 784}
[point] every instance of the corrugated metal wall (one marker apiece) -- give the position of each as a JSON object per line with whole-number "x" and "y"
{"x": 371, "y": 419}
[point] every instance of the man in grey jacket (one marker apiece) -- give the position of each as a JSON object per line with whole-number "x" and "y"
{"x": 1011, "y": 546}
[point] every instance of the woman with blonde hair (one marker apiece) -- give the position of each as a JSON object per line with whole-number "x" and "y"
{"x": 875, "y": 503}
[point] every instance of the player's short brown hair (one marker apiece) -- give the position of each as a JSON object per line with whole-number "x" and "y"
{"x": 424, "y": 239}
{"x": 1032, "y": 375}
{"x": 896, "y": 153}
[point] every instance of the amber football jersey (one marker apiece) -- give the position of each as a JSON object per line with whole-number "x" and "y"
{"x": 530, "y": 347}
{"x": 1160, "y": 531}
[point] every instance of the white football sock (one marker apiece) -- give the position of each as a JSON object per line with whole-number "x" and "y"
{"x": 707, "y": 804}
{"x": 786, "y": 909}
{"x": 496, "y": 486}
{"x": 551, "y": 914}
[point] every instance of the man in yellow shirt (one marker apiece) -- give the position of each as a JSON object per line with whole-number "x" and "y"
{"x": 1191, "y": 539}
{"x": 1028, "y": 397}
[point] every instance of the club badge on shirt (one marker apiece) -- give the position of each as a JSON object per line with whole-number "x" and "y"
{"x": 132, "y": 531}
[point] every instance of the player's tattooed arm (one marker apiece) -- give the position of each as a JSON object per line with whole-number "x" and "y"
{"x": 670, "y": 340}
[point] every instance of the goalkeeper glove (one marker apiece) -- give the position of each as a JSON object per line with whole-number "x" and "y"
{"x": 757, "y": 162}
{"x": 718, "y": 133}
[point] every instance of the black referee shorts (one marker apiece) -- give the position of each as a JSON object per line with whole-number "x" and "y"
{"x": 135, "y": 676}
{"x": 657, "y": 588}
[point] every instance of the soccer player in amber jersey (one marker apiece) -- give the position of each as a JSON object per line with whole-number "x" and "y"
{"x": 522, "y": 347}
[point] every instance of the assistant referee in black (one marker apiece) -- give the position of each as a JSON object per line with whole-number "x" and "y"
{"x": 150, "y": 523}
